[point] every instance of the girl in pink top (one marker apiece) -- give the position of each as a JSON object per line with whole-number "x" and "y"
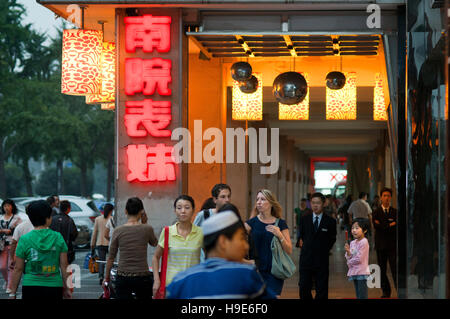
{"x": 357, "y": 255}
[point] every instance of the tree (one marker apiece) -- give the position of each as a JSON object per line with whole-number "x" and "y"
{"x": 12, "y": 53}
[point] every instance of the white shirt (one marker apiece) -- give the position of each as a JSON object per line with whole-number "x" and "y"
{"x": 23, "y": 228}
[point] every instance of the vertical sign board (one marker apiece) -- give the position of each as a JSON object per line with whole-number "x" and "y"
{"x": 148, "y": 109}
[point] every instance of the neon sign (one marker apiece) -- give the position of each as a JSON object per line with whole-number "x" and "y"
{"x": 148, "y": 117}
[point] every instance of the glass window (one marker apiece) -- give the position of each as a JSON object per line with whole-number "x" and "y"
{"x": 75, "y": 207}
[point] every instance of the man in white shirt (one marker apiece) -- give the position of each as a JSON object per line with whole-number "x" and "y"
{"x": 23, "y": 228}
{"x": 360, "y": 208}
{"x": 221, "y": 194}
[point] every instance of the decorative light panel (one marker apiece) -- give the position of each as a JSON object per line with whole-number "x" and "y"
{"x": 298, "y": 111}
{"x": 341, "y": 104}
{"x": 379, "y": 104}
{"x": 81, "y": 70}
{"x": 108, "y": 80}
{"x": 247, "y": 106}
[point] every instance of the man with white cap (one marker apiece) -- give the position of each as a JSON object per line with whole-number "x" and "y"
{"x": 221, "y": 275}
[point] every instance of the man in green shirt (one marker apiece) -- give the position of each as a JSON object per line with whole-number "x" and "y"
{"x": 42, "y": 253}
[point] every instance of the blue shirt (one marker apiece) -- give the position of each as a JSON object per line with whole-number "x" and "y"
{"x": 262, "y": 240}
{"x": 217, "y": 278}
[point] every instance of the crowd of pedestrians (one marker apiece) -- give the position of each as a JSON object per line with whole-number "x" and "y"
{"x": 212, "y": 255}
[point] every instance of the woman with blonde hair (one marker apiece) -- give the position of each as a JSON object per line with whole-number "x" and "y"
{"x": 262, "y": 227}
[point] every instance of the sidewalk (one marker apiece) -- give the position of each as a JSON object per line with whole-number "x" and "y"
{"x": 339, "y": 287}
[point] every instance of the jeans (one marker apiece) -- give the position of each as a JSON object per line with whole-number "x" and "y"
{"x": 361, "y": 289}
{"x": 101, "y": 252}
{"x": 141, "y": 286}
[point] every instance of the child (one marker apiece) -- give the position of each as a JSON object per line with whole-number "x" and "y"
{"x": 221, "y": 275}
{"x": 357, "y": 255}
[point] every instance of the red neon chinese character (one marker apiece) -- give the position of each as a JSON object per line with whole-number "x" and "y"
{"x": 147, "y": 32}
{"x": 147, "y": 75}
{"x": 153, "y": 115}
{"x": 150, "y": 163}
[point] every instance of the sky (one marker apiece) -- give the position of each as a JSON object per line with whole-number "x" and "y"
{"x": 41, "y": 18}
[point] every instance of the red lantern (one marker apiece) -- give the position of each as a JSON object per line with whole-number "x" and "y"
{"x": 81, "y": 70}
{"x": 108, "y": 78}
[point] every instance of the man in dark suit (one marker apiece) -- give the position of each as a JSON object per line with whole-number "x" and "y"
{"x": 385, "y": 223}
{"x": 318, "y": 235}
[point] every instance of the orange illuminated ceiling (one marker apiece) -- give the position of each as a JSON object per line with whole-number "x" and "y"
{"x": 241, "y": 46}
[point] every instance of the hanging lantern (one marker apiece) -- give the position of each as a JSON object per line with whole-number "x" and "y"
{"x": 241, "y": 71}
{"x": 247, "y": 106}
{"x": 298, "y": 111}
{"x": 108, "y": 106}
{"x": 80, "y": 70}
{"x": 108, "y": 79}
{"x": 249, "y": 86}
{"x": 341, "y": 104}
{"x": 335, "y": 80}
{"x": 379, "y": 105}
{"x": 290, "y": 88}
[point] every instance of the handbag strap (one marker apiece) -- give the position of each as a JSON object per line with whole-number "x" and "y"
{"x": 164, "y": 258}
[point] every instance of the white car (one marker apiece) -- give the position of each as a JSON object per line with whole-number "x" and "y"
{"x": 83, "y": 211}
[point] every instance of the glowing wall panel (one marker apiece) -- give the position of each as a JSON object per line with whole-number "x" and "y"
{"x": 341, "y": 104}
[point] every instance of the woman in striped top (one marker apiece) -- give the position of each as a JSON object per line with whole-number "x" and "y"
{"x": 185, "y": 242}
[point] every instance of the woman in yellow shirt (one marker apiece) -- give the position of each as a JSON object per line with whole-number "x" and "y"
{"x": 185, "y": 242}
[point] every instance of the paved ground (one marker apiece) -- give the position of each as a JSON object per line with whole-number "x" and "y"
{"x": 339, "y": 286}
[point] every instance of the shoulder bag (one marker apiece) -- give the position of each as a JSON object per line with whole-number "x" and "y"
{"x": 161, "y": 293}
{"x": 282, "y": 265}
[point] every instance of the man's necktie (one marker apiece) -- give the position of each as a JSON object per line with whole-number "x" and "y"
{"x": 316, "y": 223}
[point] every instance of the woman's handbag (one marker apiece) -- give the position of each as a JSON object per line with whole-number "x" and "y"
{"x": 93, "y": 265}
{"x": 282, "y": 265}
{"x": 161, "y": 293}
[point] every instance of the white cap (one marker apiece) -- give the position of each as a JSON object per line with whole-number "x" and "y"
{"x": 219, "y": 221}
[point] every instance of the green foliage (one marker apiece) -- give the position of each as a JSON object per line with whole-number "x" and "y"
{"x": 36, "y": 120}
{"x": 46, "y": 183}
{"x": 15, "y": 186}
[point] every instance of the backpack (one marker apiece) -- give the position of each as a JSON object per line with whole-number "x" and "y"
{"x": 63, "y": 224}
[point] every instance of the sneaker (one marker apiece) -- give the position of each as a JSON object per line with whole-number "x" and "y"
{"x": 8, "y": 291}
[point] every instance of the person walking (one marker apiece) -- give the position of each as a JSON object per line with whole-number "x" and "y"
{"x": 299, "y": 212}
{"x": 385, "y": 223}
{"x": 8, "y": 222}
{"x": 185, "y": 243}
{"x": 262, "y": 228}
{"x": 357, "y": 255}
{"x": 64, "y": 224}
{"x": 221, "y": 194}
{"x": 222, "y": 275}
{"x": 318, "y": 235}
{"x": 132, "y": 239}
{"x": 360, "y": 208}
{"x": 98, "y": 240}
{"x": 343, "y": 212}
{"x": 45, "y": 253}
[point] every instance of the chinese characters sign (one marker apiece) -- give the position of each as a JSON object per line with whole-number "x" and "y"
{"x": 148, "y": 91}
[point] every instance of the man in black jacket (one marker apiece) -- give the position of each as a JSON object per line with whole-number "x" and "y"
{"x": 65, "y": 225}
{"x": 385, "y": 223}
{"x": 318, "y": 235}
